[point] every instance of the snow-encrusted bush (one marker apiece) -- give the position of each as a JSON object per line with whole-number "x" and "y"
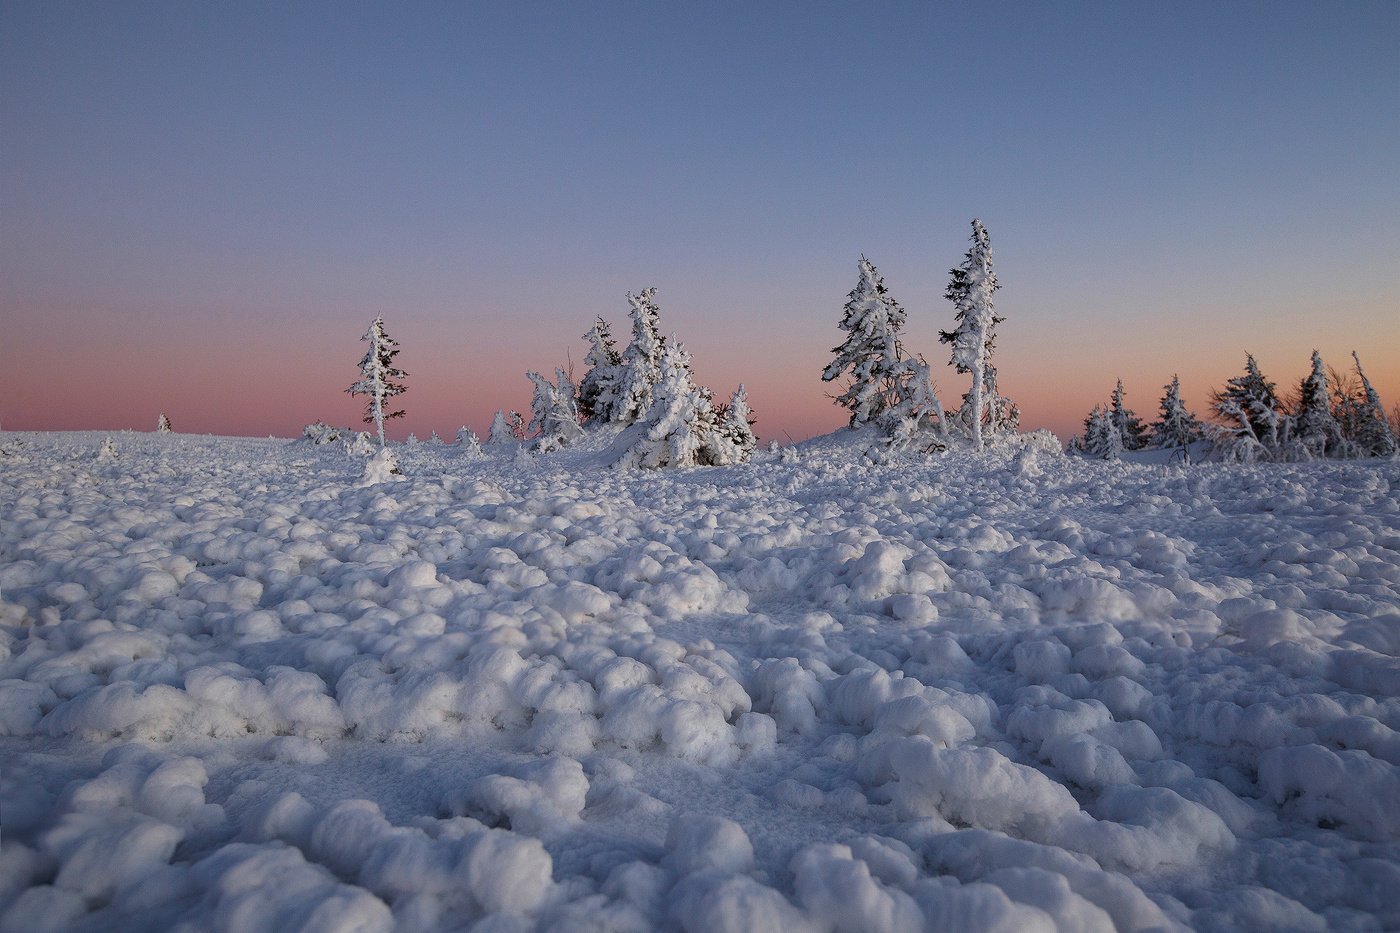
{"x": 318, "y": 433}
{"x": 553, "y": 412}
{"x": 163, "y": 424}
{"x": 681, "y": 428}
{"x": 108, "y": 450}
{"x": 359, "y": 444}
{"x": 381, "y": 467}
{"x": 468, "y": 442}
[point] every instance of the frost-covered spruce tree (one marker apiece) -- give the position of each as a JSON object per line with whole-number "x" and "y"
{"x": 630, "y": 398}
{"x": 1313, "y": 423}
{"x": 553, "y": 414}
{"x": 1373, "y": 437}
{"x": 501, "y": 434}
{"x": 681, "y": 425}
{"x": 871, "y": 353}
{"x": 597, "y": 391}
{"x": 1101, "y": 437}
{"x": 1176, "y": 428}
{"x": 735, "y": 441}
{"x": 1126, "y": 422}
{"x": 378, "y": 377}
{"x": 973, "y": 339}
{"x": 163, "y": 424}
{"x": 1249, "y": 405}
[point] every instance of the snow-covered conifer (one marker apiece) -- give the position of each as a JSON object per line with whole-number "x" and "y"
{"x": 553, "y": 413}
{"x": 381, "y": 467}
{"x": 630, "y": 398}
{"x": 1101, "y": 437}
{"x": 1314, "y": 425}
{"x": 1176, "y": 427}
{"x": 1131, "y": 432}
{"x": 1249, "y": 405}
{"x": 378, "y": 377}
{"x": 435, "y": 439}
{"x": 735, "y": 439}
{"x": 468, "y": 443}
{"x": 359, "y": 445}
{"x": 871, "y": 353}
{"x": 681, "y": 424}
{"x": 597, "y": 392}
{"x": 501, "y": 434}
{"x": 411, "y": 440}
{"x": 1373, "y": 436}
{"x": 163, "y": 424}
{"x": 108, "y": 450}
{"x": 973, "y": 339}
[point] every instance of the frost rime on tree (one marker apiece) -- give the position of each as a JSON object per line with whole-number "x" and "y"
{"x": 597, "y": 392}
{"x": 1176, "y": 428}
{"x": 1101, "y": 437}
{"x": 1001, "y": 414}
{"x": 1249, "y": 402}
{"x": 469, "y": 443}
{"x": 735, "y": 440}
{"x": 1373, "y": 434}
{"x": 871, "y": 352}
{"x": 973, "y": 339}
{"x": 1131, "y": 433}
{"x": 378, "y": 377}
{"x": 1313, "y": 423}
{"x": 163, "y": 424}
{"x": 553, "y": 412}
{"x": 681, "y": 426}
{"x": 630, "y": 398}
{"x": 501, "y": 433}
{"x": 917, "y": 412}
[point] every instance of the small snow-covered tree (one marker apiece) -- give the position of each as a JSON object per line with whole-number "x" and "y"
{"x": 468, "y": 442}
{"x": 973, "y": 339}
{"x": 1248, "y": 405}
{"x": 630, "y": 397}
{"x": 597, "y": 391}
{"x": 108, "y": 450}
{"x": 1176, "y": 428}
{"x": 872, "y": 352}
{"x": 502, "y": 433}
{"x": 681, "y": 426}
{"x": 553, "y": 413}
{"x": 1373, "y": 436}
{"x": 163, "y": 424}
{"x": 1314, "y": 425}
{"x": 735, "y": 441}
{"x": 378, "y": 377}
{"x": 1126, "y": 422}
{"x": 916, "y": 420}
{"x": 1101, "y": 436}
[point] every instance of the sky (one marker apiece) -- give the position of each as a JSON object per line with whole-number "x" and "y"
{"x": 203, "y": 206}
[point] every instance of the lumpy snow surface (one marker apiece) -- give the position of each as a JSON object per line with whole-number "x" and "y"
{"x": 257, "y": 685}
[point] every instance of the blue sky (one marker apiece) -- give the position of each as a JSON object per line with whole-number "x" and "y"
{"x": 206, "y": 190}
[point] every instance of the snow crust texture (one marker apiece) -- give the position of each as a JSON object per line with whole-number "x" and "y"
{"x": 259, "y": 685}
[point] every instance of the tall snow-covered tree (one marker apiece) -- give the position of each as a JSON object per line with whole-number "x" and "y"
{"x": 553, "y": 414}
{"x": 973, "y": 339}
{"x": 163, "y": 424}
{"x": 379, "y": 377}
{"x": 1175, "y": 427}
{"x": 1126, "y": 422}
{"x": 1373, "y": 437}
{"x": 871, "y": 352}
{"x": 597, "y": 390}
{"x": 1314, "y": 425}
{"x": 630, "y": 398}
{"x": 1250, "y": 406}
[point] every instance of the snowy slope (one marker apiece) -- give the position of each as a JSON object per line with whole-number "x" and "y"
{"x": 239, "y": 690}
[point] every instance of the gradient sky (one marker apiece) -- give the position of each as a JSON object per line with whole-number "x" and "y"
{"x": 203, "y": 205}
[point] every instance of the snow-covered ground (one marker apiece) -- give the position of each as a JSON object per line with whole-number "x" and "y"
{"x": 239, "y": 690}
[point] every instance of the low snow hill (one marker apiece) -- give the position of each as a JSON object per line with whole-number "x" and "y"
{"x": 241, "y": 690}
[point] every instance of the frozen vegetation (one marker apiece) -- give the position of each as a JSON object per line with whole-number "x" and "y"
{"x": 271, "y": 685}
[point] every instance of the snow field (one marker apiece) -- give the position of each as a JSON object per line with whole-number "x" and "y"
{"x": 251, "y": 685}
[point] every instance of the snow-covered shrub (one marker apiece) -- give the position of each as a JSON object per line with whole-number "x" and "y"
{"x": 1131, "y": 433}
{"x": 318, "y": 433}
{"x": 629, "y": 397}
{"x": 359, "y": 444}
{"x": 163, "y": 424}
{"x": 597, "y": 393}
{"x": 108, "y": 450}
{"x": 381, "y": 467}
{"x": 468, "y": 442}
{"x": 916, "y": 421}
{"x": 1248, "y": 407}
{"x": 1371, "y": 433}
{"x": 1176, "y": 428}
{"x": 501, "y": 436}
